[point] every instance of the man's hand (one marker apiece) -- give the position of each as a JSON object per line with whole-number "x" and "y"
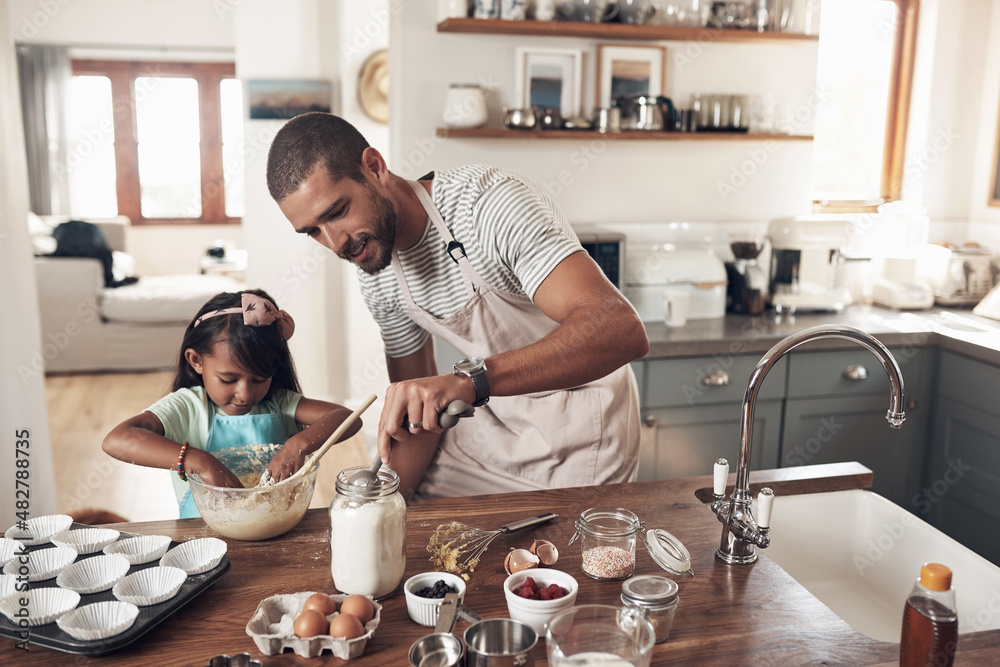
{"x": 414, "y": 406}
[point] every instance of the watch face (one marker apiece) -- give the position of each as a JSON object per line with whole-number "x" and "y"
{"x": 469, "y": 365}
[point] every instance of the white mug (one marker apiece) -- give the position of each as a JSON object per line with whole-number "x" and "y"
{"x": 545, "y": 10}
{"x": 675, "y": 306}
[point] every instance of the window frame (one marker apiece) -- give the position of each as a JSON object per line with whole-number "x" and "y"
{"x": 208, "y": 75}
{"x": 904, "y": 53}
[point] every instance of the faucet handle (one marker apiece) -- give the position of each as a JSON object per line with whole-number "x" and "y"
{"x": 721, "y": 471}
{"x": 765, "y": 500}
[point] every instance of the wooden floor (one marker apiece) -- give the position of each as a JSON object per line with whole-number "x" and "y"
{"x": 84, "y": 408}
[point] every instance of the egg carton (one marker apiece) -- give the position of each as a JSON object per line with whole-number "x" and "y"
{"x": 270, "y": 627}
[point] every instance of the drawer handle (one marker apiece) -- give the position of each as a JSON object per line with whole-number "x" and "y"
{"x": 649, "y": 420}
{"x": 855, "y": 373}
{"x": 716, "y": 379}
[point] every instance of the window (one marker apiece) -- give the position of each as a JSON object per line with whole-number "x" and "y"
{"x": 865, "y": 68}
{"x": 156, "y": 141}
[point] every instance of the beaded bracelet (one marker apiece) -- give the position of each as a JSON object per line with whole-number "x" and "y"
{"x": 180, "y": 463}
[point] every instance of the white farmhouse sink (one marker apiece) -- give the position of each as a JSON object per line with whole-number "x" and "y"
{"x": 860, "y": 554}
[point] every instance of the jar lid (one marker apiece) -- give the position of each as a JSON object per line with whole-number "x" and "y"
{"x": 649, "y": 589}
{"x": 668, "y": 552}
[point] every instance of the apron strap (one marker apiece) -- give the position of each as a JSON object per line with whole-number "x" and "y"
{"x": 455, "y": 249}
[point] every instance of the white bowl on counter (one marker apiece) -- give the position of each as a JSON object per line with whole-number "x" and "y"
{"x": 538, "y": 613}
{"x": 425, "y": 610}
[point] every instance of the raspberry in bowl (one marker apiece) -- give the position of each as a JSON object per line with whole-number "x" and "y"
{"x": 534, "y": 596}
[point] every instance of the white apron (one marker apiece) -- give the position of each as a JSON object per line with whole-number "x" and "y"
{"x": 586, "y": 435}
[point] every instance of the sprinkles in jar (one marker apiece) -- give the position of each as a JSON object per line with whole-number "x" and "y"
{"x": 607, "y": 537}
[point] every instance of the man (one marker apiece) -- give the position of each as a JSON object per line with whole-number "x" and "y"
{"x": 482, "y": 258}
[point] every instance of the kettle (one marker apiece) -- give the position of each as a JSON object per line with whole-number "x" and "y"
{"x": 646, "y": 112}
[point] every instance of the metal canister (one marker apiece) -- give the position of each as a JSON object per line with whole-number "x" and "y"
{"x": 657, "y": 598}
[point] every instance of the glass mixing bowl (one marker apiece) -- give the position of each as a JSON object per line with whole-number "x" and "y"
{"x": 255, "y": 513}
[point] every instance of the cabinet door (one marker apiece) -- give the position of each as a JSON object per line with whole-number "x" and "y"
{"x": 685, "y": 442}
{"x": 835, "y": 429}
{"x": 961, "y": 493}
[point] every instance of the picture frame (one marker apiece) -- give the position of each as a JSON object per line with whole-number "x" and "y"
{"x": 626, "y": 69}
{"x": 286, "y": 98}
{"x": 550, "y": 78}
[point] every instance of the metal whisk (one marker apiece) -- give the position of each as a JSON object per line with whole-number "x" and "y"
{"x": 457, "y": 548}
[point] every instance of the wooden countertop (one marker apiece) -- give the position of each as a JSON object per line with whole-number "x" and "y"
{"x": 727, "y": 615}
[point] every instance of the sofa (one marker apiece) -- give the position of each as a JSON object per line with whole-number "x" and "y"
{"x": 88, "y": 327}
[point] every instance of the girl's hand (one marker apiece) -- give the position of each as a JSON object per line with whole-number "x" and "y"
{"x": 287, "y": 460}
{"x": 210, "y": 470}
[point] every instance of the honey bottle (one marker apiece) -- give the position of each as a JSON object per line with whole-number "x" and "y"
{"x": 930, "y": 620}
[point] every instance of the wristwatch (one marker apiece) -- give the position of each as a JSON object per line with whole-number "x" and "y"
{"x": 475, "y": 368}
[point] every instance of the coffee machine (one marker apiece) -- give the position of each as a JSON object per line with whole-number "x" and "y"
{"x": 747, "y": 288}
{"x": 805, "y": 254}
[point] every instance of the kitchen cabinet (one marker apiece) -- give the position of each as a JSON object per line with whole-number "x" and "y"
{"x": 807, "y": 411}
{"x": 835, "y": 411}
{"x": 961, "y": 490}
{"x": 691, "y": 412}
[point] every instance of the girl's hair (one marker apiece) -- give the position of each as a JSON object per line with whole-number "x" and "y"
{"x": 262, "y": 351}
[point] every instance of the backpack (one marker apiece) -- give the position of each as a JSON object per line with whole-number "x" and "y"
{"x": 83, "y": 239}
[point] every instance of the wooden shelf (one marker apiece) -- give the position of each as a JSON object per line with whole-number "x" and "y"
{"x": 616, "y": 31}
{"x": 633, "y": 135}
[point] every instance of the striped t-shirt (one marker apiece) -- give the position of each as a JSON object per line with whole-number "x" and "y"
{"x": 513, "y": 235}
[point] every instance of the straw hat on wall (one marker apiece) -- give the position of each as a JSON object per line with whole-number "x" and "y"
{"x": 373, "y": 86}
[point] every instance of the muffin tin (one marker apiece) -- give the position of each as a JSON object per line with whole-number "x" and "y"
{"x": 52, "y": 635}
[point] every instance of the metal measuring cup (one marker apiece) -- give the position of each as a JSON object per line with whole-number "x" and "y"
{"x": 441, "y": 649}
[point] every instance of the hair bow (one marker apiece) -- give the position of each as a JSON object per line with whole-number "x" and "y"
{"x": 257, "y": 312}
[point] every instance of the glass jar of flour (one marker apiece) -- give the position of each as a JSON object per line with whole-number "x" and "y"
{"x": 367, "y": 534}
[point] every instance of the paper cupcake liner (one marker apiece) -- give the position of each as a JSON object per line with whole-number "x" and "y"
{"x": 93, "y": 575}
{"x": 44, "y": 605}
{"x": 99, "y": 620}
{"x": 8, "y": 549}
{"x": 86, "y": 540}
{"x": 150, "y": 586}
{"x": 42, "y": 564}
{"x": 195, "y": 556}
{"x": 140, "y": 549}
{"x": 40, "y": 529}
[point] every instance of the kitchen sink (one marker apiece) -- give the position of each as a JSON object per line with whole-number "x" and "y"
{"x": 860, "y": 555}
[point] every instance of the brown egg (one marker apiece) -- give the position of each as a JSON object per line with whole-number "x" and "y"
{"x": 520, "y": 559}
{"x": 358, "y": 606}
{"x": 546, "y": 551}
{"x": 310, "y": 623}
{"x": 346, "y": 626}
{"x": 320, "y": 602}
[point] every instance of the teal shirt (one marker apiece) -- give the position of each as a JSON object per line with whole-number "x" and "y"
{"x": 184, "y": 415}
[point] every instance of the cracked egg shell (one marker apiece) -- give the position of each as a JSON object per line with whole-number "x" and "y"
{"x": 518, "y": 560}
{"x": 547, "y": 552}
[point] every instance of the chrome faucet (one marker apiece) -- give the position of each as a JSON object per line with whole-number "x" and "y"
{"x": 740, "y": 531}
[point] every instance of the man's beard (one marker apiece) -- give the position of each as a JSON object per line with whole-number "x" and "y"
{"x": 380, "y": 240}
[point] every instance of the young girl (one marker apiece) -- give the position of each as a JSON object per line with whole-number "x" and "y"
{"x": 235, "y": 389}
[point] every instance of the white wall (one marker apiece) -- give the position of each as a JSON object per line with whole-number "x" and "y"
{"x": 22, "y": 409}
{"x": 987, "y": 129}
